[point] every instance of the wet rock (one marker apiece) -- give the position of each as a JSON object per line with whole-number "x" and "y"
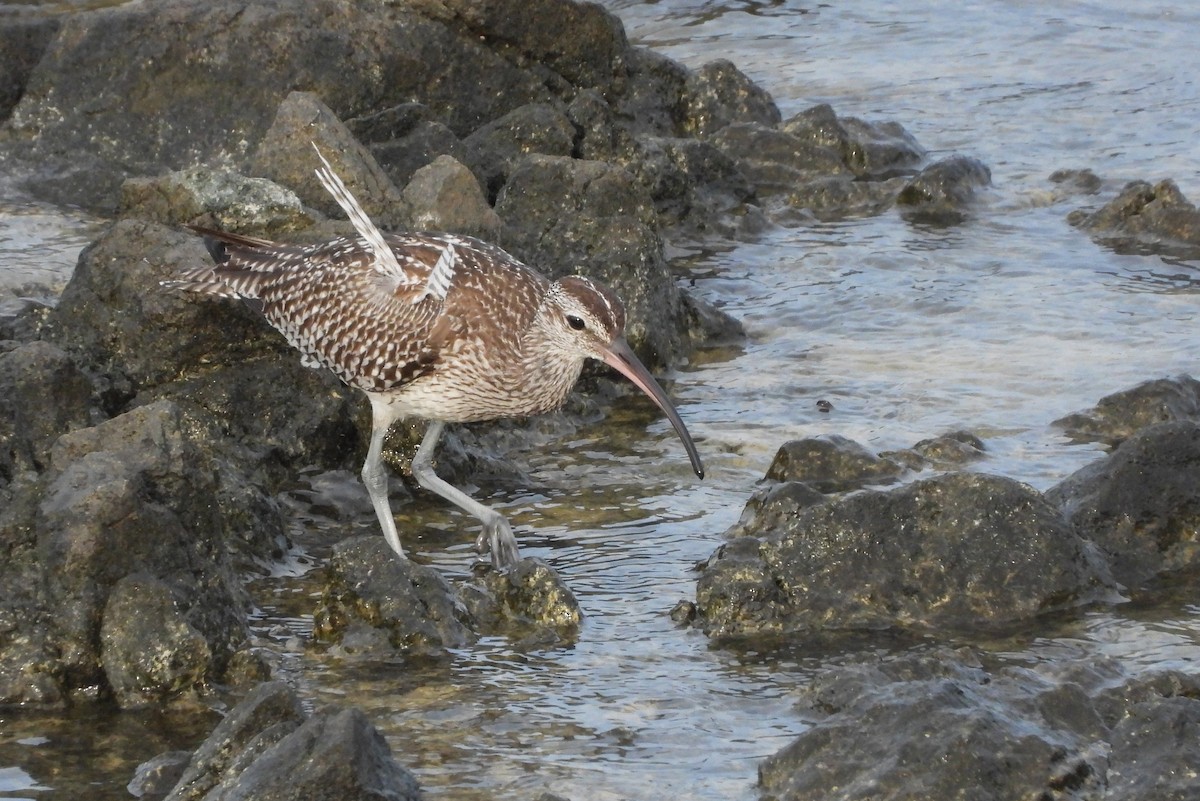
{"x": 693, "y": 185}
{"x": 137, "y": 493}
{"x": 1156, "y": 217}
{"x": 286, "y": 156}
{"x": 955, "y": 551}
{"x": 530, "y": 601}
{"x": 155, "y": 777}
{"x": 719, "y": 94}
{"x": 495, "y": 149}
{"x": 947, "y": 451}
{"x": 376, "y": 603}
{"x": 566, "y": 215}
{"x": 268, "y": 714}
{"x": 117, "y": 316}
{"x": 939, "y": 725}
{"x": 775, "y": 161}
{"x": 42, "y": 395}
{"x": 1117, "y": 416}
{"x": 376, "y": 600}
{"x": 1155, "y": 751}
{"x": 709, "y": 325}
{"x": 872, "y": 150}
{"x": 696, "y": 189}
{"x": 942, "y": 192}
{"x": 1141, "y": 504}
{"x": 75, "y": 123}
{"x": 216, "y": 198}
{"x": 772, "y": 506}
{"x": 831, "y": 463}
{"x": 149, "y": 651}
{"x": 444, "y": 196}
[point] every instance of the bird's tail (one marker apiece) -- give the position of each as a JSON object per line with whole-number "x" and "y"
{"x": 222, "y": 246}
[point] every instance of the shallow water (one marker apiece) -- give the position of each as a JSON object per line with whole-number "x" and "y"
{"x": 998, "y": 325}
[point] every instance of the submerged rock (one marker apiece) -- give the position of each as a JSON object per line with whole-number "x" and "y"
{"x": 958, "y": 551}
{"x": 943, "y": 191}
{"x": 1157, "y": 217}
{"x": 1141, "y": 504}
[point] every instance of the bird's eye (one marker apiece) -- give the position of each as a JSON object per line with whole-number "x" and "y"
{"x": 575, "y": 322}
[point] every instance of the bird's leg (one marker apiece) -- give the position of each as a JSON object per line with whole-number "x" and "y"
{"x": 374, "y": 476}
{"x": 496, "y": 530}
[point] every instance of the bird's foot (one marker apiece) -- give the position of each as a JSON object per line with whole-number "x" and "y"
{"x": 497, "y": 538}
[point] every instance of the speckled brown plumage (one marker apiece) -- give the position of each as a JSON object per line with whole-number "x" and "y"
{"x": 438, "y": 326}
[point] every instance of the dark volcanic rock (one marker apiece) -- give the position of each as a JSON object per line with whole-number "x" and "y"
{"x": 22, "y": 43}
{"x": 719, "y": 94}
{"x": 770, "y": 508}
{"x": 136, "y": 494}
{"x": 220, "y": 199}
{"x": 776, "y": 161}
{"x": 204, "y": 352}
{"x": 371, "y": 593}
{"x": 496, "y": 148}
{"x": 530, "y": 599}
{"x": 939, "y": 725}
{"x": 376, "y": 603}
{"x": 653, "y": 99}
{"x": 566, "y": 216}
{"x": 840, "y": 196}
{"x": 333, "y": 754}
{"x": 873, "y": 150}
{"x": 1155, "y": 749}
{"x": 444, "y": 196}
{"x": 581, "y": 43}
{"x": 955, "y": 551}
{"x": 1142, "y": 503}
{"x": 831, "y": 464}
{"x": 1117, "y": 416}
{"x": 944, "y": 189}
{"x": 286, "y": 156}
{"x": 76, "y": 119}
{"x": 42, "y": 394}
{"x": 149, "y": 650}
{"x": 1157, "y": 217}
{"x": 267, "y": 748}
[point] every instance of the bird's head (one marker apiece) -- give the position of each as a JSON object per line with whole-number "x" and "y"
{"x": 587, "y": 319}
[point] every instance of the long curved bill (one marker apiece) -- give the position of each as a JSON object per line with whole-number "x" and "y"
{"x": 619, "y": 356}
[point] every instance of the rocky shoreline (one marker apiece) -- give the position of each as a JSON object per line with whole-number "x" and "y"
{"x": 146, "y": 435}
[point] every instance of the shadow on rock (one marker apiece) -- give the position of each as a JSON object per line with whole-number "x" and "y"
{"x": 267, "y": 747}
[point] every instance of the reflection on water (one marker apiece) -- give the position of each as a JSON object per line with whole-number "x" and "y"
{"x": 999, "y": 325}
